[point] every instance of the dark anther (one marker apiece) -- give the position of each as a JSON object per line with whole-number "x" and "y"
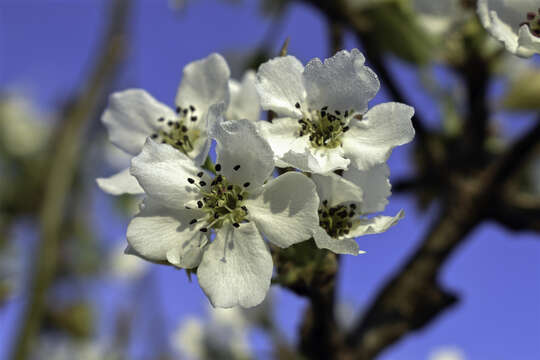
{"x": 325, "y": 215}
{"x": 243, "y": 207}
{"x": 236, "y": 167}
{"x": 188, "y": 208}
{"x": 216, "y": 215}
{"x": 204, "y": 229}
{"x": 218, "y": 167}
{"x": 154, "y": 136}
{"x": 200, "y": 174}
{"x": 169, "y": 123}
{"x": 219, "y": 178}
{"x": 192, "y": 221}
{"x": 199, "y": 204}
{"x": 301, "y": 133}
{"x": 325, "y": 202}
{"x": 185, "y": 137}
{"x": 297, "y": 105}
{"x": 213, "y": 183}
{"x": 346, "y": 128}
{"x": 353, "y": 206}
{"x": 337, "y": 112}
{"x": 184, "y": 128}
{"x": 177, "y": 125}
{"x": 346, "y": 113}
{"x": 163, "y": 142}
{"x": 185, "y": 111}
{"x": 246, "y": 184}
{"x": 240, "y": 197}
{"x": 202, "y": 183}
{"x": 193, "y": 118}
{"x": 192, "y": 108}
{"x": 236, "y": 225}
{"x": 323, "y": 113}
{"x": 230, "y": 187}
{"x": 190, "y": 180}
{"x": 324, "y": 108}
{"x": 178, "y": 109}
{"x": 179, "y": 143}
{"x": 331, "y": 128}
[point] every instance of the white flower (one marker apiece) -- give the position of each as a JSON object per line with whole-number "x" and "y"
{"x": 225, "y": 333}
{"x": 345, "y": 202}
{"x": 447, "y": 353}
{"x": 184, "y": 203}
{"x": 133, "y": 115}
{"x": 437, "y": 17}
{"x": 244, "y": 99}
{"x": 516, "y": 23}
{"x": 324, "y": 124}
{"x": 125, "y": 266}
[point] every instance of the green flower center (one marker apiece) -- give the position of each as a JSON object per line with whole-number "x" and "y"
{"x": 336, "y": 220}
{"x": 324, "y": 128}
{"x": 533, "y": 22}
{"x": 179, "y": 132}
{"x": 221, "y": 200}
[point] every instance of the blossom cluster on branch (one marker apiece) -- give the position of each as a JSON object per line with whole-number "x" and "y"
{"x": 212, "y": 216}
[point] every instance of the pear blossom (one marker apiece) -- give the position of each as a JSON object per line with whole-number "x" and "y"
{"x": 515, "y": 23}
{"x": 185, "y": 204}
{"x": 345, "y": 203}
{"x": 224, "y": 333}
{"x": 133, "y": 115}
{"x": 323, "y": 120}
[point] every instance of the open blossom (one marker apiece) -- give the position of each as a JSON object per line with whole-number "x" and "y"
{"x": 345, "y": 203}
{"x": 515, "y": 23}
{"x": 185, "y": 204}
{"x": 134, "y": 115}
{"x": 323, "y": 122}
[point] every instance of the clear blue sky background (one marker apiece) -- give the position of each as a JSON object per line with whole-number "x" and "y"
{"x": 46, "y": 47}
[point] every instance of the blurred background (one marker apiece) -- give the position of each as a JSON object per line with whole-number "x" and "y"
{"x": 68, "y": 292}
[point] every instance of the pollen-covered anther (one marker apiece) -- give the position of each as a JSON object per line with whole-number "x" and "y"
{"x": 336, "y": 220}
{"x": 222, "y": 201}
{"x": 177, "y": 132}
{"x": 324, "y": 127}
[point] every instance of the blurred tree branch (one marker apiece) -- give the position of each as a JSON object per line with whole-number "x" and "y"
{"x": 470, "y": 187}
{"x": 61, "y": 171}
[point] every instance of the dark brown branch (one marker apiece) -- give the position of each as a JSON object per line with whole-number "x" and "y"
{"x": 517, "y": 212}
{"x": 62, "y": 168}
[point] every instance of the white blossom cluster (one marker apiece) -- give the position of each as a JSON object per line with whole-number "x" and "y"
{"x": 214, "y": 216}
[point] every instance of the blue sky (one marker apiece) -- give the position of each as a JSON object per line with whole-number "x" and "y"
{"x": 46, "y": 48}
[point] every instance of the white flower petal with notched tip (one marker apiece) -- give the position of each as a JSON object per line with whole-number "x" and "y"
{"x": 161, "y": 234}
{"x": 281, "y": 135}
{"x": 286, "y": 209}
{"x": 280, "y": 85}
{"x": 236, "y": 267}
{"x": 370, "y": 141}
{"x": 244, "y": 99}
{"x": 238, "y": 143}
{"x": 375, "y": 225}
{"x": 338, "y": 246}
{"x": 204, "y": 82}
{"x": 510, "y": 22}
{"x": 337, "y": 190}
{"x": 376, "y": 185}
{"x": 131, "y": 117}
{"x": 120, "y": 183}
{"x": 342, "y": 82}
{"x": 163, "y": 173}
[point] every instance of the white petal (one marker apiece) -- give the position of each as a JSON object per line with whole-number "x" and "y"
{"x": 338, "y": 246}
{"x": 120, "y": 183}
{"x": 244, "y": 99}
{"x": 286, "y": 210}
{"x": 528, "y": 43}
{"x": 281, "y": 134}
{"x": 204, "y": 82}
{"x": 163, "y": 173}
{"x": 375, "y": 225}
{"x": 131, "y": 117}
{"x": 371, "y": 140}
{"x": 343, "y": 82}
{"x": 239, "y": 143}
{"x": 336, "y": 190}
{"x": 375, "y": 185}
{"x": 322, "y": 160}
{"x": 236, "y": 267}
{"x": 280, "y": 86}
{"x": 158, "y": 233}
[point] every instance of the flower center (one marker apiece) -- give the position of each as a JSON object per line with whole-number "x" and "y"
{"x": 533, "y": 22}
{"x": 179, "y": 132}
{"x": 336, "y": 220}
{"x": 324, "y": 128}
{"x": 221, "y": 200}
